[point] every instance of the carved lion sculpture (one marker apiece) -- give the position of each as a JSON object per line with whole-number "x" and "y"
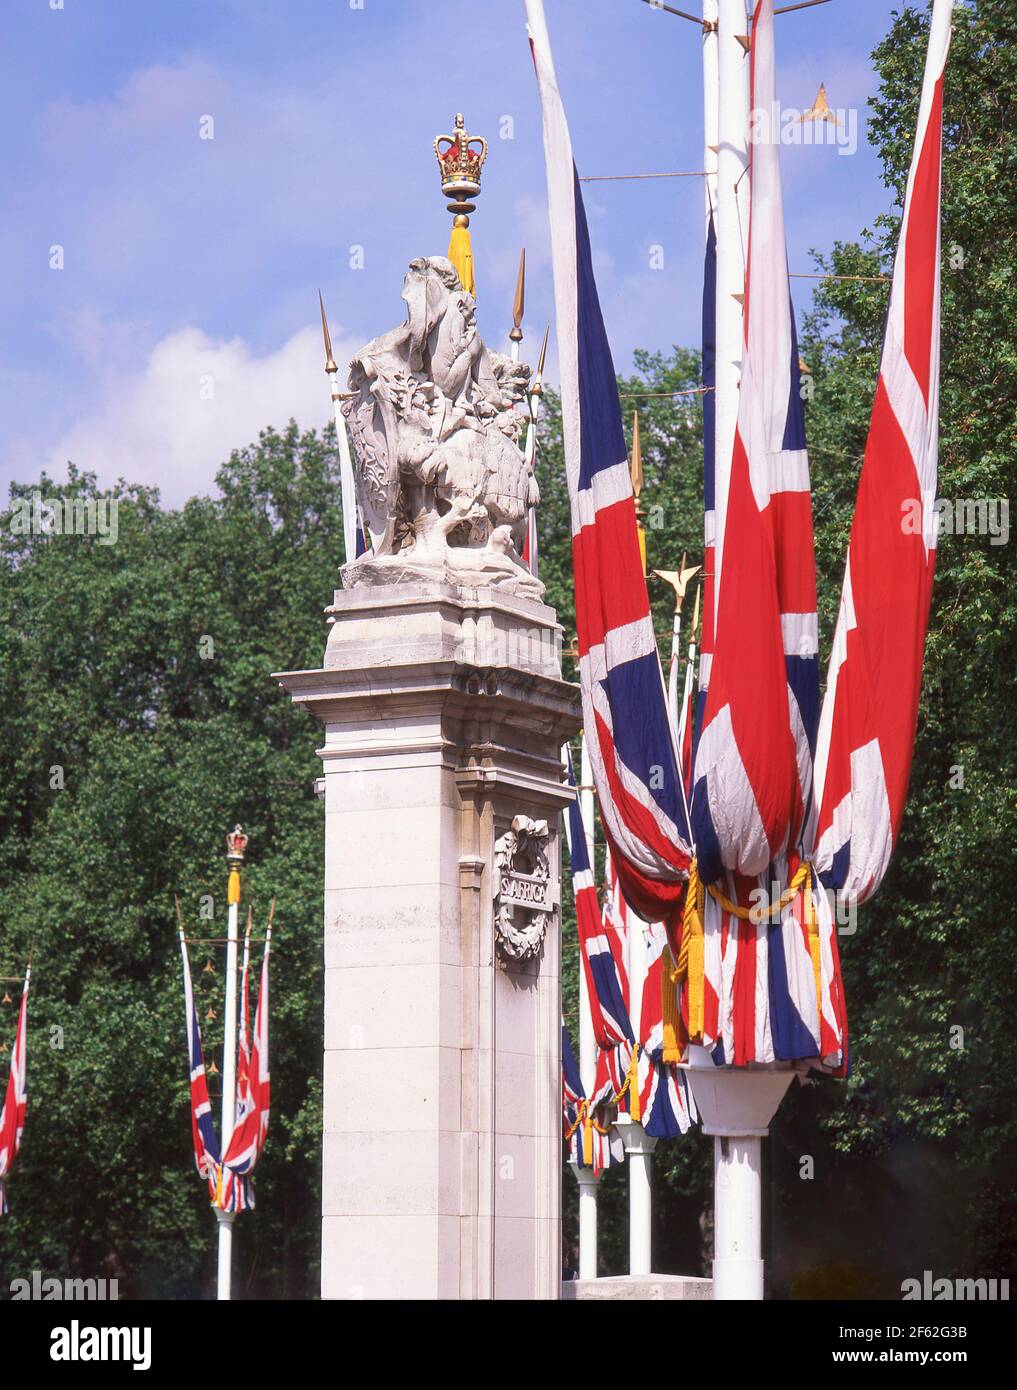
{"x": 443, "y": 485}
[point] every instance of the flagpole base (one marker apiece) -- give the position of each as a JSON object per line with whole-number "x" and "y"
{"x": 736, "y": 1105}
{"x": 639, "y": 1147}
{"x": 588, "y": 1182}
{"x": 224, "y": 1271}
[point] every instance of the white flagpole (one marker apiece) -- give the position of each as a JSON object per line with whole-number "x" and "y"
{"x": 587, "y": 1037}
{"x": 735, "y": 1105}
{"x": 732, "y": 226}
{"x": 536, "y": 393}
{"x": 690, "y": 672}
{"x": 236, "y": 844}
{"x": 588, "y": 1180}
{"x": 346, "y": 482}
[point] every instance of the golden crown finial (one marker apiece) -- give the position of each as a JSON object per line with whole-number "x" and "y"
{"x": 236, "y": 845}
{"x": 460, "y": 158}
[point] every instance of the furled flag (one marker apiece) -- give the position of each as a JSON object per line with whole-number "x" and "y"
{"x": 761, "y": 985}
{"x": 632, "y": 751}
{"x": 710, "y": 515}
{"x": 666, "y": 1104}
{"x": 870, "y": 708}
{"x": 590, "y": 1143}
{"x": 753, "y": 774}
{"x": 205, "y": 1140}
{"x": 12, "y": 1117}
{"x": 253, "y": 1083}
{"x": 530, "y": 555}
{"x": 227, "y": 1190}
{"x": 614, "y": 917}
{"x": 602, "y": 965}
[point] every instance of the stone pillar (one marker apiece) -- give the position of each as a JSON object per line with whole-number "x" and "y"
{"x": 444, "y": 713}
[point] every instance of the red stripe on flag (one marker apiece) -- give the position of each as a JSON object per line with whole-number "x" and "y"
{"x": 920, "y": 247}
{"x": 610, "y": 585}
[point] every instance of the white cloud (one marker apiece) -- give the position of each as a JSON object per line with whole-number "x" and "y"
{"x": 197, "y": 399}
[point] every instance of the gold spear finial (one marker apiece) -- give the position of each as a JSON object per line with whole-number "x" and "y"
{"x": 516, "y": 334}
{"x": 679, "y": 580}
{"x": 636, "y": 467}
{"x": 820, "y": 109}
{"x": 330, "y": 363}
{"x": 543, "y": 352}
{"x": 636, "y": 473}
{"x": 537, "y": 389}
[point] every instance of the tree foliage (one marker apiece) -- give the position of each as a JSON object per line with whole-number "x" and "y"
{"x": 140, "y": 671}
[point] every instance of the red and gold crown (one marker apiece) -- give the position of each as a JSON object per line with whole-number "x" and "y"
{"x": 236, "y": 844}
{"x": 460, "y": 158}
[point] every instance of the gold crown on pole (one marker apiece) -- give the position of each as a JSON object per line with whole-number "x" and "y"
{"x": 236, "y": 844}
{"x": 460, "y": 158}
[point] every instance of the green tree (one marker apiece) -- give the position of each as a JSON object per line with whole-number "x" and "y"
{"x": 140, "y": 670}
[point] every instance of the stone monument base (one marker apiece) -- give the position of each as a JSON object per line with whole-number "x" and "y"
{"x": 639, "y": 1288}
{"x": 444, "y": 713}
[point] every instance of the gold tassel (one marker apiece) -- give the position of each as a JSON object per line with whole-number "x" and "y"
{"x": 692, "y": 954}
{"x": 587, "y": 1136}
{"x": 635, "y": 1113}
{"x": 814, "y": 947}
{"x": 697, "y": 976}
{"x": 460, "y": 252}
{"x": 669, "y": 1008}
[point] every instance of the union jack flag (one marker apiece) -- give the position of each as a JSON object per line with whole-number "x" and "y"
{"x": 12, "y": 1117}
{"x": 635, "y": 765}
{"x": 615, "y": 923}
{"x": 753, "y": 773}
{"x": 598, "y": 949}
{"x": 665, "y": 1107}
{"x": 870, "y": 708}
{"x": 253, "y": 1084}
{"x": 591, "y": 1144}
{"x": 228, "y": 1189}
{"x": 752, "y": 808}
{"x": 203, "y": 1135}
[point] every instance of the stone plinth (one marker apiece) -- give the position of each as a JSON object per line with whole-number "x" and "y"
{"x": 444, "y": 712}
{"x": 639, "y": 1288}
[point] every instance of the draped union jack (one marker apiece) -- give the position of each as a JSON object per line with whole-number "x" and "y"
{"x": 12, "y": 1117}
{"x": 253, "y": 1083}
{"x": 203, "y": 1135}
{"x": 765, "y": 989}
{"x": 753, "y": 774}
{"x": 632, "y": 750}
{"x": 228, "y": 1177}
{"x": 661, "y": 1095}
{"x": 870, "y": 708}
{"x": 591, "y": 1144}
{"x": 598, "y": 949}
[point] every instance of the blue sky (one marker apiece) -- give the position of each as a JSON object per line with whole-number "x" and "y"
{"x": 190, "y": 261}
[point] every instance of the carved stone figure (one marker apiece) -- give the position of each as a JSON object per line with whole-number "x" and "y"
{"x": 442, "y": 482}
{"x": 524, "y": 905}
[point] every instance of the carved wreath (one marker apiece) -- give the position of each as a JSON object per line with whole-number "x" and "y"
{"x": 523, "y": 905}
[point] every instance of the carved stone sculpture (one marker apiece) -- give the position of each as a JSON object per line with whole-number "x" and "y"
{"x": 524, "y": 905}
{"x": 442, "y": 483}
